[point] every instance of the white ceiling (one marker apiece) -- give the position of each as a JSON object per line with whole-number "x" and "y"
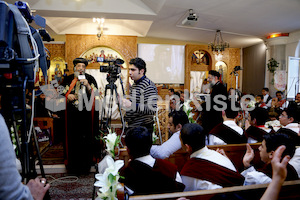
{"x": 242, "y": 22}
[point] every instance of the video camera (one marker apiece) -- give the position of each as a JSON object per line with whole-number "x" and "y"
{"x": 21, "y": 46}
{"x": 113, "y": 66}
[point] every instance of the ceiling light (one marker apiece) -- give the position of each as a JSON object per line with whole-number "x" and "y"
{"x": 274, "y": 35}
{"x": 218, "y": 46}
{"x": 100, "y": 21}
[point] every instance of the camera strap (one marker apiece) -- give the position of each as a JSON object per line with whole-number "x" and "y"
{"x": 23, "y": 36}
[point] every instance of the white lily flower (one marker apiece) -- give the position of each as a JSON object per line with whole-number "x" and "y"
{"x": 102, "y": 182}
{"x": 110, "y": 140}
{"x": 186, "y": 106}
{"x": 108, "y": 181}
{"x": 113, "y": 166}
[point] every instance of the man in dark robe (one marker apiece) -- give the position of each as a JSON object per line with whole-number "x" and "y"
{"x": 144, "y": 174}
{"x": 82, "y": 121}
{"x": 207, "y": 169}
{"x": 212, "y": 116}
{"x": 256, "y": 129}
{"x": 228, "y": 132}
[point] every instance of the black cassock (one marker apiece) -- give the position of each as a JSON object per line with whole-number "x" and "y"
{"x": 81, "y": 128}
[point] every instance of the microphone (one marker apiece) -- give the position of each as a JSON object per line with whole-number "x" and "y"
{"x": 80, "y": 77}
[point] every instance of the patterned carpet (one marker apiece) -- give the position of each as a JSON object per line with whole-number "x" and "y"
{"x": 66, "y": 186}
{"x": 53, "y": 155}
{"x": 70, "y": 189}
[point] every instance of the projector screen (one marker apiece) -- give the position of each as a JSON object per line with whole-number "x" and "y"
{"x": 165, "y": 63}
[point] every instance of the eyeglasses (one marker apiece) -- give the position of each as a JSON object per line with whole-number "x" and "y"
{"x": 283, "y": 116}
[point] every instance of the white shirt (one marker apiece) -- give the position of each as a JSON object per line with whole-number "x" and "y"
{"x": 213, "y": 140}
{"x": 253, "y": 177}
{"x": 192, "y": 184}
{"x": 167, "y": 148}
{"x": 293, "y": 127}
{"x": 295, "y": 161}
{"x": 265, "y": 100}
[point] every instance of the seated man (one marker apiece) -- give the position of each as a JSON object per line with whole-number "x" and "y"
{"x": 177, "y": 119}
{"x": 206, "y": 169}
{"x": 296, "y": 103}
{"x": 267, "y": 99}
{"x": 175, "y": 102}
{"x": 269, "y": 144}
{"x": 227, "y": 132}
{"x": 259, "y": 102}
{"x": 144, "y": 174}
{"x": 280, "y": 101}
{"x": 255, "y": 127}
{"x": 289, "y": 119}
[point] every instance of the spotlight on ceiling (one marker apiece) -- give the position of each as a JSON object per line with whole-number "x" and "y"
{"x": 191, "y": 19}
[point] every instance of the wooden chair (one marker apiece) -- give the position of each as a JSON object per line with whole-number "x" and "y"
{"x": 45, "y": 123}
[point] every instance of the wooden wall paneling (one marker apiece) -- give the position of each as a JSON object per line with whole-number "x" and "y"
{"x": 163, "y": 116}
{"x": 233, "y": 60}
{"x": 231, "y": 57}
{"x": 189, "y": 50}
{"x": 56, "y": 50}
{"x": 78, "y": 44}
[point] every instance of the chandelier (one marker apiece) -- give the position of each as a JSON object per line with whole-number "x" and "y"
{"x": 218, "y": 46}
{"x": 100, "y": 22}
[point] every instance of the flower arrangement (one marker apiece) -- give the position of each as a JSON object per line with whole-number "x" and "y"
{"x": 272, "y": 65}
{"x": 188, "y": 110}
{"x": 251, "y": 104}
{"x": 112, "y": 141}
{"x": 108, "y": 176}
{"x": 14, "y": 141}
{"x": 109, "y": 180}
{"x": 154, "y": 136}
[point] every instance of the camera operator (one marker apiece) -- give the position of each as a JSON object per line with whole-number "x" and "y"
{"x": 142, "y": 105}
{"x": 81, "y": 125}
{"x": 10, "y": 179}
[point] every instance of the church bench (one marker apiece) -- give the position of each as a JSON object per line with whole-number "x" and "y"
{"x": 289, "y": 190}
{"x": 235, "y": 152}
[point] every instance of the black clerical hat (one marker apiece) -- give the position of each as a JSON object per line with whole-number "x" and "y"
{"x": 80, "y": 60}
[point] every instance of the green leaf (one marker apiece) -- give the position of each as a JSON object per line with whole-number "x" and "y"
{"x": 111, "y": 178}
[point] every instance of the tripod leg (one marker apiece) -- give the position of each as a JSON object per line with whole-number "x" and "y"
{"x": 121, "y": 115}
{"x": 102, "y": 117}
{"x": 14, "y": 124}
{"x": 38, "y": 154}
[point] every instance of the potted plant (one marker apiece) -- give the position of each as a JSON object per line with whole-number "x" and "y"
{"x": 272, "y": 65}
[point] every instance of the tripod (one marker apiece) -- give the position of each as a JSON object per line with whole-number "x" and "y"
{"x": 237, "y": 92}
{"x": 105, "y": 119}
{"x": 15, "y": 105}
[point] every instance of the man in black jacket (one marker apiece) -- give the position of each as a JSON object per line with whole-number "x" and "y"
{"x": 212, "y": 115}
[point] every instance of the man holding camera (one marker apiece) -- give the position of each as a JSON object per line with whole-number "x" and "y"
{"x": 82, "y": 121}
{"x": 142, "y": 105}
